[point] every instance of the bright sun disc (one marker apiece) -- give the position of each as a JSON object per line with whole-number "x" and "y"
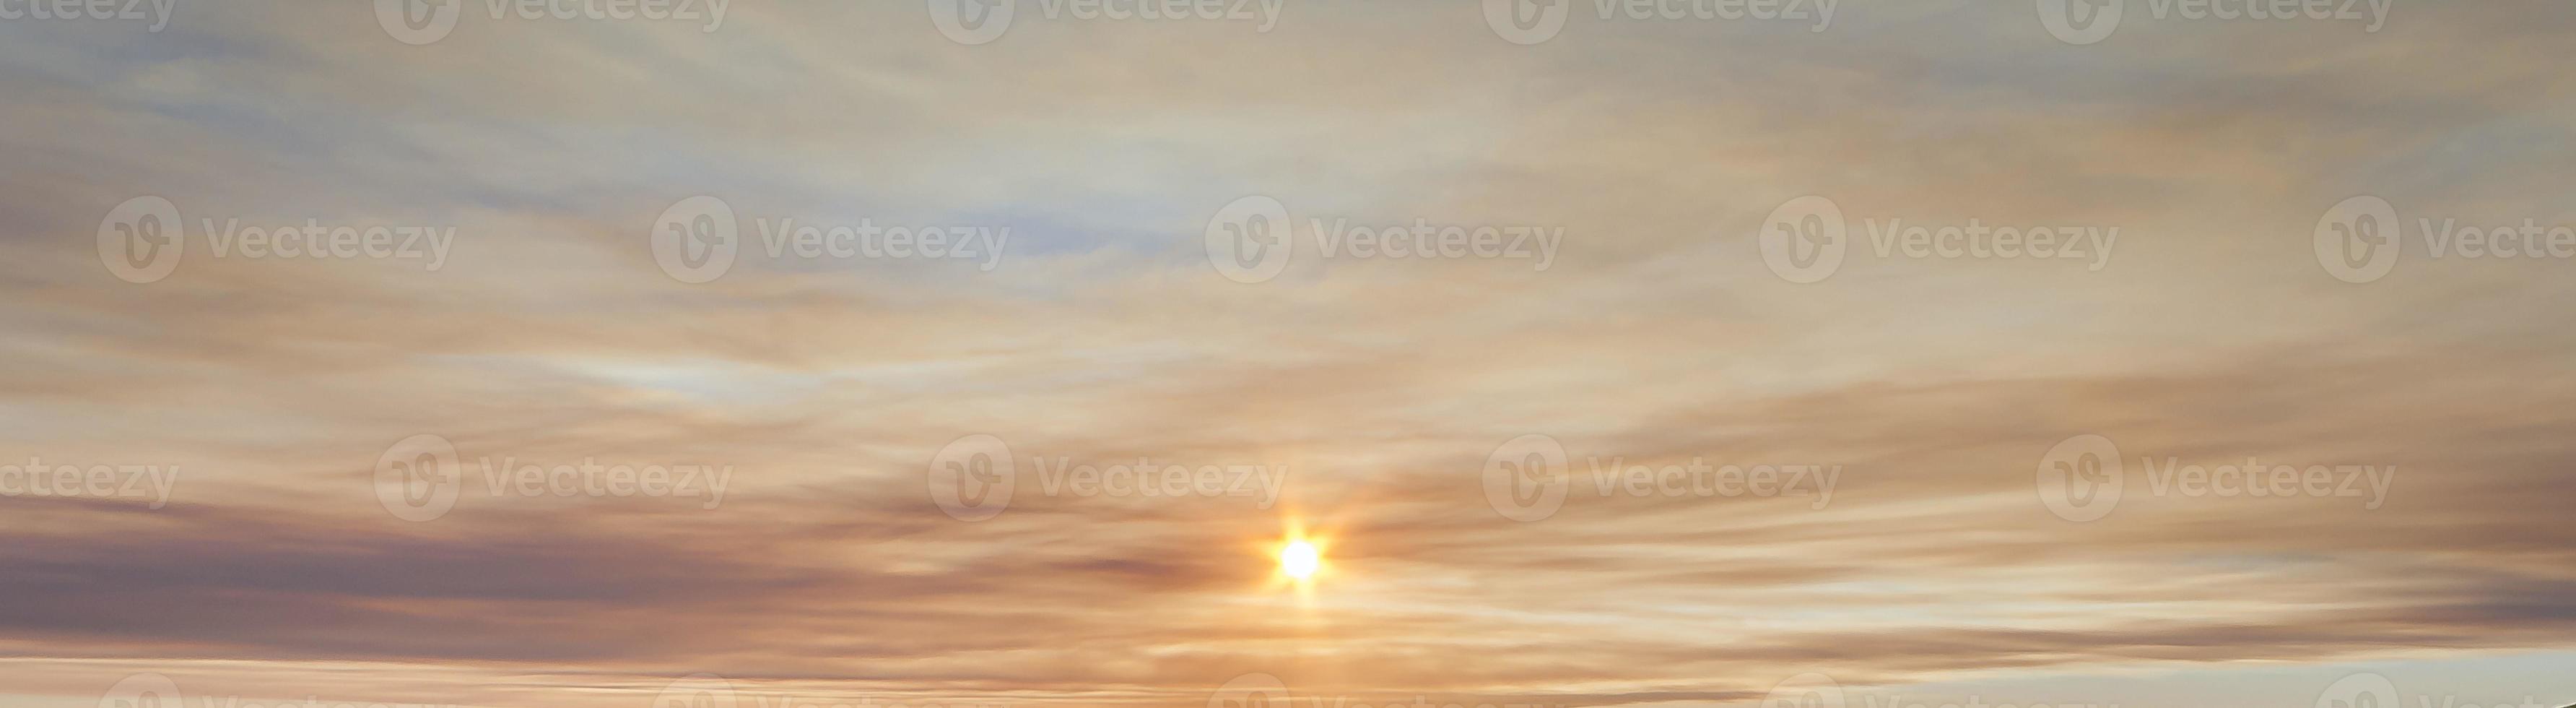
{"x": 1299, "y": 560}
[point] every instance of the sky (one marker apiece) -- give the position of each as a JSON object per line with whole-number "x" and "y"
{"x": 785, "y": 354}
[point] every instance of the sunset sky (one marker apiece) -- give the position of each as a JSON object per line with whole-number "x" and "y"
{"x": 791, "y": 354}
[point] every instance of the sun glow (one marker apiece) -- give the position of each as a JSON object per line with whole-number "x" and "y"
{"x": 1299, "y": 559}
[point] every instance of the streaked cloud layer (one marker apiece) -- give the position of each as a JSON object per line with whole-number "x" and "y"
{"x": 807, "y": 560}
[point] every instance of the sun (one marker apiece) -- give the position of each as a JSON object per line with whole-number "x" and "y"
{"x": 1299, "y": 559}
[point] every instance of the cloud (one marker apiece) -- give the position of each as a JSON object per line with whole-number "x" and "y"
{"x": 551, "y": 337}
